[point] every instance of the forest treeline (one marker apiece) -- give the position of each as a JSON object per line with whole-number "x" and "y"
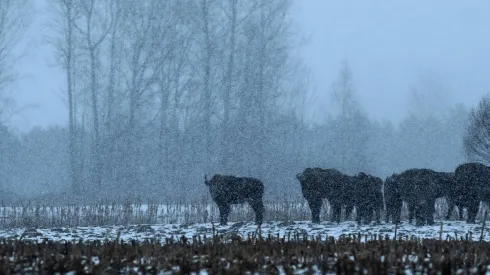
{"x": 38, "y": 161}
{"x": 161, "y": 93}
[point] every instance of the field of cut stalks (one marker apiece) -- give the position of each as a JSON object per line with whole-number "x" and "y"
{"x": 42, "y": 216}
{"x": 139, "y": 238}
{"x": 253, "y": 255}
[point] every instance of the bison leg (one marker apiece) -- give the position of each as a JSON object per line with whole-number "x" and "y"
{"x": 369, "y": 214}
{"x": 420, "y": 213}
{"x": 359, "y": 215}
{"x": 315, "y": 206}
{"x": 390, "y": 213}
{"x": 378, "y": 214}
{"x": 336, "y": 209}
{"x": 258, "y": 207}
{"x": 224, "y": 211}
{"x": 473, "y": 207}
{"x": 397, "y": 213}
{"x": 460, "y": 212}
{"x": 349, "y": 208}
{"x": 430, "y": 209}
{"x": 411, "y": 211}
{"x": 451, "y": 205}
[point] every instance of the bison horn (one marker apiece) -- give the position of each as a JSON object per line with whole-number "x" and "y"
{"x": 298, "y": 175}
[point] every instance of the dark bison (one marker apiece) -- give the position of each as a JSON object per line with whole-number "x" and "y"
{"x": 368, "y": 198}
{"x": 473, "y": 186}
{"x": 393, "y": 199}
{"x": 454, "y": 198}
{"x": 227, "y": 190}
{"x": 420, "y": 188}
{"x": 331, "y": 184}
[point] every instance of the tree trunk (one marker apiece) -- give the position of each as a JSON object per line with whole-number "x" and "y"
{"x": 109, "y": 144}
{"x": 75, "y": 184}
{"x": 207, "y": 88}
{"x": 261, "y": 95}
{"x": 95, "y": 112}
{"x": 226, "y": 140}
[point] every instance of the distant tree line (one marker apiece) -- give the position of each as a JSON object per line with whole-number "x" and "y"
{"x": 160, "y": 93}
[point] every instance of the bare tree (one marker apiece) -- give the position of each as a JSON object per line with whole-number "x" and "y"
{"x": 207, "y": 92}
{"x": 145, "y": 29}
{"x": 262, "y": 63}
{"x": 173, "y": 80}
{"x": 64, "y": 25}
{"x": 227, "y": 92}
{"x": 351, "y": 123}
{"x": 14, "y": 22}
{"x": 476, "y": 141}
{"x": 97, "y": 26}
{"x": 428, "y": 96}
{"x": 114, "y": 62}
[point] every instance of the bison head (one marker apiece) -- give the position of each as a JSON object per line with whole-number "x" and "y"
{"x": 393, "y": 178}
{"x": 300, "y": 176}
{"x": 215, "y": 185}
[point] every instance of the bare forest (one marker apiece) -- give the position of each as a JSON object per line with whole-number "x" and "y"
{"x": 161, "y": 93}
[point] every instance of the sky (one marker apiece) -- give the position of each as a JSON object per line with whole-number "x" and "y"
{"x": 387, "y": 44}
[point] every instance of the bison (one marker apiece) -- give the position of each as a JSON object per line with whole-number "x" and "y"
{"x": 331, "y": 184}
{"x": 226, "y": 190}
{"x": 369, "y": 197}
{"x": 473, "y": 186}
{"x": 393, "y": 199}
{"x": 454, "y": 198}
{"x": 420, "y": 188}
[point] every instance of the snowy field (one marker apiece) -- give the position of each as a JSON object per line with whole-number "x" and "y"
{"x": 171, "y": 221}
{"x": 164, "y": 232}
{"x": 168, "y": 224}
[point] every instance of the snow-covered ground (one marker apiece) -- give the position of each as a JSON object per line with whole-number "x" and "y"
{"x": 162, "y": 232}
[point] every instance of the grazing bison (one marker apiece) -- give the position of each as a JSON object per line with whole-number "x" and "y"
{"x": 227, "y": 190}
{"x": 473, "y": 186}
{"x": 393, "y": 199}
{"x": 420, "y": 188}
{"x": 331, "y": 184}
{"x": 369, "y": 197}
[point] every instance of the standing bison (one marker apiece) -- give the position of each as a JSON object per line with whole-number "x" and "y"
{"x": 473, "y": 186}
{"x": 227, "y": 190}
{"x": 420, "y": 188}
{"x": 454, "y": 198}
{"x": 393, "y": 199}
{"x": 331, "y": 184}
{"x": 368, "y": 198}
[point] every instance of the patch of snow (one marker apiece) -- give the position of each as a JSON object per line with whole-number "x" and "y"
{"x": 324, "y": 230}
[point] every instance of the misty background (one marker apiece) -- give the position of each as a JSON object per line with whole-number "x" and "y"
{"x": 140, "y": 99}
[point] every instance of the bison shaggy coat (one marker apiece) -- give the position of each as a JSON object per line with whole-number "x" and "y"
{"x": 473, "y": 186}
{"x": 393, "y": 200}
{"x": 369, "y": 197}
{"x": 318, "y": 184}
{"x": 226, "y": 190}
{"x": 420, "y": 188}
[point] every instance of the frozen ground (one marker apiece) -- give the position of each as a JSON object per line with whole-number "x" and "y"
{"x": 162, "y": 232}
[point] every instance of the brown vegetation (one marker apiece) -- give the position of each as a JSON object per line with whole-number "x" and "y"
{"x": 237, "y": 254}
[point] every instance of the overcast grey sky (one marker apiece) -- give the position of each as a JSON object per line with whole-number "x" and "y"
{"x": 388, "y": 44}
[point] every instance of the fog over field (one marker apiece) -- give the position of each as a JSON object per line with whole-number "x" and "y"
{"x": 141, "y": 99}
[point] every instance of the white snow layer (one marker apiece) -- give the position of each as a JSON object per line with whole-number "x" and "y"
{"x": 163, "y": 232}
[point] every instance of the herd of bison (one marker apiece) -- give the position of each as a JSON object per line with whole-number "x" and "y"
{"x": 466, "y": 187}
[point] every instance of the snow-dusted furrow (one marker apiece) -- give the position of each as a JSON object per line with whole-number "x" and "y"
{"x": 162, "y": 232}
